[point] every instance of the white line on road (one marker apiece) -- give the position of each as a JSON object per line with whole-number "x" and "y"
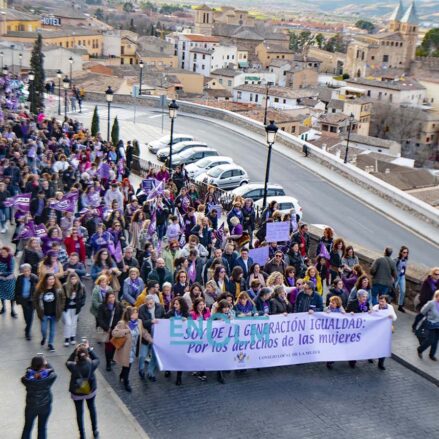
{"x": 155, "y": 115}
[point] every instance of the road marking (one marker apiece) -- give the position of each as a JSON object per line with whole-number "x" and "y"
{"x": 155, "y": 115}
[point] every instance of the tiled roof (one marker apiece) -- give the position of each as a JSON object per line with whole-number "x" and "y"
{"x": 407, "y": 84}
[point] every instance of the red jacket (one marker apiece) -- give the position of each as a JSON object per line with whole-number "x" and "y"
{"x": 71, "y": 247}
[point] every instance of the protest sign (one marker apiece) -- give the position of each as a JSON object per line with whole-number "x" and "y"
{"x": 20, "y": 201}
{"x": 259, "y": 255}
{"x": 279, "y": 231}
{"x": 278, "y": 340}
{"x": 67, "y": 202}
{"x": 218, "y": 208}
{"x": 148, "y": 185}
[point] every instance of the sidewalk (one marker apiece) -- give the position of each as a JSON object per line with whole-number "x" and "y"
{"x": 114, "y": 418}
{"x": 404, "y": 344}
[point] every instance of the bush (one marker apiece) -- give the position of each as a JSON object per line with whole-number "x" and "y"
{"x": 345, "y": 76}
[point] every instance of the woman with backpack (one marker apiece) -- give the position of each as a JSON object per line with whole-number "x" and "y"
{"x": 82, "y": 365}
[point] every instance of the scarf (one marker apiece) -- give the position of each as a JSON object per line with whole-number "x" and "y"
{"x": 7, "y": 261}
{"x": 133, "y": 324}
{"x": 362, "y": 307}
{"x": 192, "y": 272}
{"x": 103, "y": 293}
{"x": 135, "y": 284}
{"x": 248, "y": 307}
{"x": 110, "y": 306}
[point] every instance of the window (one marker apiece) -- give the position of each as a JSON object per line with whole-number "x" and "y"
{"x": 380, "y": 95}
{"x": 122, "y": 61}
{"x": 195, "y": 56}
{"x": 220, "y": 80}
{"x": 239, "y": 95}
{"x": 204, "y": 56}
{"x": 276, "y": 99}
{"x": 203, "y": 67}
{"x": 229, "y": 83}
{"x": 372, "y": 58}
{"x": 256, "y": 97}
{"x": 293, "y": 129}
{"x": 226, "y": 174}
{"x": 285, "y": 101}
{"x": 385, "y": 58}
{"x": 131, "y": 60}
{"x": 251, "y": 97}
{"x": 362, "y": 56}
{"x": 368, "y": 93}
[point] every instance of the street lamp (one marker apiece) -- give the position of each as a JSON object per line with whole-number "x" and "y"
{"x": 109, "y": 97}
{"x": 71, "y": 65}
{"x": 59, "y": 76}
{"x": 351, "y": 121}
{"x": 173, "y": 108}
{"x": 1, "y": 56}
{"x": 12, "y": 55}
{"x": 5, "y": 70}
{"x": 66, "y": 85}
{"x": 141, "y": 74}
{"x": 266, "y": 103}
{"x": 31, "y": 77}
{"x": 271, "y": 131}
{"x": 20, "y": 57}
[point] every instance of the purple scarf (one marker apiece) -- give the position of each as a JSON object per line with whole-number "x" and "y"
{"x": 362, "y": 307}
{"x": 133, "y": 324}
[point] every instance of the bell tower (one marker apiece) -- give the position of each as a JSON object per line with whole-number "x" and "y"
{"x": 395, "y": 18}
{"x": 409, "y": 30}
{"x": 203, "y": 20}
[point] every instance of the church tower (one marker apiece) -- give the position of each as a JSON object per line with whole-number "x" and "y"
{"x": 409, "y": 30}
{"x": 203, "y": 20}
{"x": 395, "y": 18}
{"x": 3, "y": 4}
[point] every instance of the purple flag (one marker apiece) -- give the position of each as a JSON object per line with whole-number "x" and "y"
{"x": 153, "y": 224}
{"x": 67, "y": 202}
{"x": 219, "y": 234}
{"x": 148, "y": 185}
{"x": 28, "y": 231}
{"x": 40, "y": 231}
{"x": 156, "y": 191}
{"x": 20, "y": 201}
{"x": 104, "y": 171}
{"x": 323, "y": 251}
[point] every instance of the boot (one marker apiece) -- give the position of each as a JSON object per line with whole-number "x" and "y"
{"x": 13, "y": 313}
{"x": 3, "y": 310}
{"x": 220, "y": 378}
{"x": 127, "y": 386}
{"x": 178, "y": 381}
{"x": 108, "y": 367}
{"x": 401, "y": 309}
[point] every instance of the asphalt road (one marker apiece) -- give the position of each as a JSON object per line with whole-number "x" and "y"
{"x": 322, "y": 202}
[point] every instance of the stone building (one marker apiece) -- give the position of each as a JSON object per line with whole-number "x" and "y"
{"x": 393, "y": 49}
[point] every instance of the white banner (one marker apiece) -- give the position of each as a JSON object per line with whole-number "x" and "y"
{"x": 256, "y": 342}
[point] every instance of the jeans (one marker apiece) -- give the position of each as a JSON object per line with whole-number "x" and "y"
{"x": 4, "y": 215}
{"x": 161, "y": 231}
{"x": 432, "y": 340}
{"x": 378, "y": 290}
{"x": 79, "y": 405}
{"x": 70, "y": 319}
{"x": 28, "y": 313}
{"x": 109, "y": 352}
{"x": 48, "y": 320}
{"x": 400, "y": 282}
{"x": 30, "y": 414}
{"x": 152, "y": 365}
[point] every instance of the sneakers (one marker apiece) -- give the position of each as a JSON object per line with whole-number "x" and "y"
{"x": 51, "y": 348}
{"x": 401, "y": 309}
{"x": 72, "y": 341}
{"x": 3, "y": 230}
{"x": 66, "y": 342}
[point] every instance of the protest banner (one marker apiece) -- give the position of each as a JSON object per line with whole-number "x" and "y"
{"x": 148, "y": 184}
{"x": 67, "y": 202}
{"x": 277, "y": 232}
{"x": 278, "y": 340}
{"x": 259, "y": 255}
{"x": 40, "y": 231}
{"x": 218, "y": 208}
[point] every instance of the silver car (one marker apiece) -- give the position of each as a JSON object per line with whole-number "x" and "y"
{"x": 163, "y": 154}
{"x": 195, "y": 169}
{"x": 164, "y": 141}
{"x": 224, "y": 176}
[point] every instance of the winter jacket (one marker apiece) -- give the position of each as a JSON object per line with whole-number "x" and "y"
{"x": 278, "y": 306}
{"x": 104, "y": 316}
{"x": 82, "y": 369}
{"x": 38, "y": 393}
{"x": 147, "y": 318}
{"x": 306, "y": 302}
{"x": 383, "y": 271}
{"x": 39, "y": 306}
{"x": 19, "y": 288}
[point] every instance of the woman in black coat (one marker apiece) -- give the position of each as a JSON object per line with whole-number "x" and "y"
{"x": 82, "y": 364}
{"x": 38, "y": 381}
{"x": 279, "y": 304}
{"x": 24, "y": 291}
{"x": 32, "y": 254}
{"x": 109, "y": 313}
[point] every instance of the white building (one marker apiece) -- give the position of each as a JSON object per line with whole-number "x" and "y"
{"x": 280, "y": 67}
{"x": 231, "y": 78}
{"x": 111, "y": 42}
{"x": 204, "y": 61}
{"x": 278, "y": 97}
{"x": 405, "y": 91}
{"x": 183, "y": 44}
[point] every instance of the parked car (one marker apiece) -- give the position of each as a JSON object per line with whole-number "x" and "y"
{"x": 285, "y": 204}
{"x": 255, "y": 191}
{"x": 164, "y": 141}
{"x": 192, "y": 155}
{"x": 203, "y": 165}
{"x": 224, "y": 176}
{"x": 163, "y": 154}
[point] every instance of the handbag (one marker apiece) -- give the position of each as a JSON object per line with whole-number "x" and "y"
{"x": 104, "y": 336}
{"x": 82, "y": 385}
{"x": 118, "y": 342}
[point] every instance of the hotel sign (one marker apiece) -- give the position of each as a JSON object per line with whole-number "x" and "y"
{"x": 51, "y": 21}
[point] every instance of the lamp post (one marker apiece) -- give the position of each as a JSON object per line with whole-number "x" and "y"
{"x": 66, "y": 85}
{"x": 141, "y": 75}
{"x": 271, "y": 131}
{"x": 266, "y": 103}
{"x": 173, "y": 108}
{"x": 5, "y": 70}
{"x": 20, "y": 57}
{"x": 31, "y": 77}
{"x": 59, "y": 76}
{"x": 71, "y": 65}
{"x": 1, "y": 56}
{"x": 109, "y": 97}
{"x": 351, "y": 120}
{"x": 12, "y": 55}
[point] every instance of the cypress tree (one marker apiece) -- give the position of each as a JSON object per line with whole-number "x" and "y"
{"x": 37, "y": 66}
{"x": 115, "y": 132}
{"x": 95, "y": 122}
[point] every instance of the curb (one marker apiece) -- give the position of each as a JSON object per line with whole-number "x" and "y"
{"x": 415, "y": 369}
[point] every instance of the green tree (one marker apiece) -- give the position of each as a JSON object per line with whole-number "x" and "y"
{"x": 430, "y": 44}
{"x": 297, "y": 42}
{"x": 366, "y": 25}
{"x": 95, "y": 122}
{"x": 320, "y": 40}
{"x": 148, "y": 6}
{"x": 99, "y": 14}
{"x": 128, "y": 7}
{"x": 37, "y": 66}
{"x": 115, "y": 132}
{"x": 336, "y": 44}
